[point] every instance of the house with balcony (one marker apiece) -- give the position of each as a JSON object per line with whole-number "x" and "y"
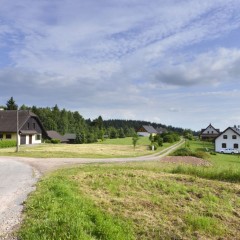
{"x": 209, "y": 133}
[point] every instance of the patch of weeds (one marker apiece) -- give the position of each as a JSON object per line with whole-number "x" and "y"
{"x": 204, "y": 224}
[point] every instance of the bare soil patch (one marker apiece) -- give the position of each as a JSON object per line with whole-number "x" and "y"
{"x": 186, "y": 160}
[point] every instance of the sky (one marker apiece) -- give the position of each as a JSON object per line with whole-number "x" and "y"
{"x": 174, "y": 62}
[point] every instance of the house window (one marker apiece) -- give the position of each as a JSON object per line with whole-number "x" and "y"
{"x": 224, "y": 145}
{"x": 235, "y": 145}
{"x": 212, "y": 131}
{"x": 28, "y": 125}
{"x": 234, "y": 136}
{"x": 1, "y": 135}
{"x": 224, "y": 136}
{"x": 8, "y": 136}
{"x": 38, "y": 137}
{"x": 207, "y": 131}
{"x": 34, "y": 125}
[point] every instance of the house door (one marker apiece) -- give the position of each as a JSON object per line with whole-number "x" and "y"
{"x": 23, "y": 139}
{"x": 30, "y": 139}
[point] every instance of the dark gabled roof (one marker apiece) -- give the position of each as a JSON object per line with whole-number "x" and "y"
{"x": 161, "y": 130}
{"x": 55, "y": 135}
{"x": 210, "y": 125}
{"x": 235, "y": 130}
{"x": 149, "y": 129}
{"x": 8, "y": 119}
{"x": 70, "y": 136}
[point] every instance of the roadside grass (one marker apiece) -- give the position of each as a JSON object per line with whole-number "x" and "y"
{"x": 131, "y": 201}
{"x": 110, "y": 148}
{"x": 225, "y": 167}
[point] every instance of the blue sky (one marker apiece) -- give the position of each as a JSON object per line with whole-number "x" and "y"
{"x": 171, "y": 62}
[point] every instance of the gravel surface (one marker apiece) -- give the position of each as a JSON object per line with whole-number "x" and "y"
{"x": 16, "y": 181}
{"x": 186, "y": 160}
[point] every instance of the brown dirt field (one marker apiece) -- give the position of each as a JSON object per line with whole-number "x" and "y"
{"x": 186, "y": 160}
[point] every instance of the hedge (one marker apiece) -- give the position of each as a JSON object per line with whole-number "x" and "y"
{"x": 7, "y": 143}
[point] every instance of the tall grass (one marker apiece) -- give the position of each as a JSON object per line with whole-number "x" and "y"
{"x": 213, "y": 173}
{"x": 224, "y": 167}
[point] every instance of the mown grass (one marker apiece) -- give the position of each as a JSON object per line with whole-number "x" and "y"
{"x": 142, "y": 141}
{"x": 131, "y": 201}
{"x": 110, "y": 148}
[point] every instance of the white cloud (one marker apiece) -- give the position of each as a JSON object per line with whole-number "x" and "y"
{"x": 209, "y": 69}
{"x": 119, "y": 57}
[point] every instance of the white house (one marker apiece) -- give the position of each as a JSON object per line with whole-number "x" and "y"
{"x": 230, "y": 138}
{"x": 209, "y": 133}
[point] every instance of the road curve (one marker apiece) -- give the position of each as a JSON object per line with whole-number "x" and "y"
{"x": 18, "y": 176}
{"x": 44, "y": 165}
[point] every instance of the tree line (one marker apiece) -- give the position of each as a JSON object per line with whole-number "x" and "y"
{"x": 86, "y": 130}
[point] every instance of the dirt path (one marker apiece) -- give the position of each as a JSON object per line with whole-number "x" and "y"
{"x": 44, "y": 165}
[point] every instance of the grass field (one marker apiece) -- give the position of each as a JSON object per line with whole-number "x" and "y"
{"x": 107, "y": 149}
{"x": 147, "y": 200}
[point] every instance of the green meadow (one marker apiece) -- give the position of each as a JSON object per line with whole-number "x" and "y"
{"x": 145, "y": 200}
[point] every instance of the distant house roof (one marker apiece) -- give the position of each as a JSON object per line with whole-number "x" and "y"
{"x": 161, "y": 130}
{"x": 210, "y": 126}
{"x": 149, "y": 129}
{"x": 55, "y": 135}
{"x": 8, "y": 120}
{"x": 70, "y": 136}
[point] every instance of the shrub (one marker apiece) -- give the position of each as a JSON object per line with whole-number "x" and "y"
{"x": 155, "y": 146}
{"x": 189, "y": 152}
{"x": 55, "y": 141}
{"x": 7, "y": 143}
{"x": 201, "y": 154}
{"x": 182, "y": 152}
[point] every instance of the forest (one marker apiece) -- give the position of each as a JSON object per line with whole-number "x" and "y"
{"x": 87, "y": 130}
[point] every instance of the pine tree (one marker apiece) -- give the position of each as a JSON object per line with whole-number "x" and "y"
{"x": 11, "y": 105}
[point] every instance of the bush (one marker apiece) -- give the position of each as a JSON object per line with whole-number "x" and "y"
{"x": 8, "y": 143}
{"x": 55, "y": 141}
{"x": 189, "y": 152}
{"x": 182, "y": 152}
{"x": 155, "y": 146}
{"x": 201, "y": 154}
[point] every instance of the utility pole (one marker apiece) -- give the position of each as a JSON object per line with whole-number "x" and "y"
{"x": 17, "y": 150}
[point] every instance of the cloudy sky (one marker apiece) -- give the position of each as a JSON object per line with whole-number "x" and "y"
{"x": 175, "y": 62}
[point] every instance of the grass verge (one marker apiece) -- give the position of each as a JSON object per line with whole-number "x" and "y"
{"x": 58, "y": 210}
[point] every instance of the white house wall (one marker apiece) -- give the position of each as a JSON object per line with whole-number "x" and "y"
{"x": 143, "y": 134}
{"x": 210, "y": 130}
{"x": 34, "y": 139}
{"x": 229, "y": 141}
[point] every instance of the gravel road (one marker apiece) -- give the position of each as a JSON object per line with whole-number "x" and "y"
{"x": 18, "y": 176}
{"x": 16, "y": 181}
